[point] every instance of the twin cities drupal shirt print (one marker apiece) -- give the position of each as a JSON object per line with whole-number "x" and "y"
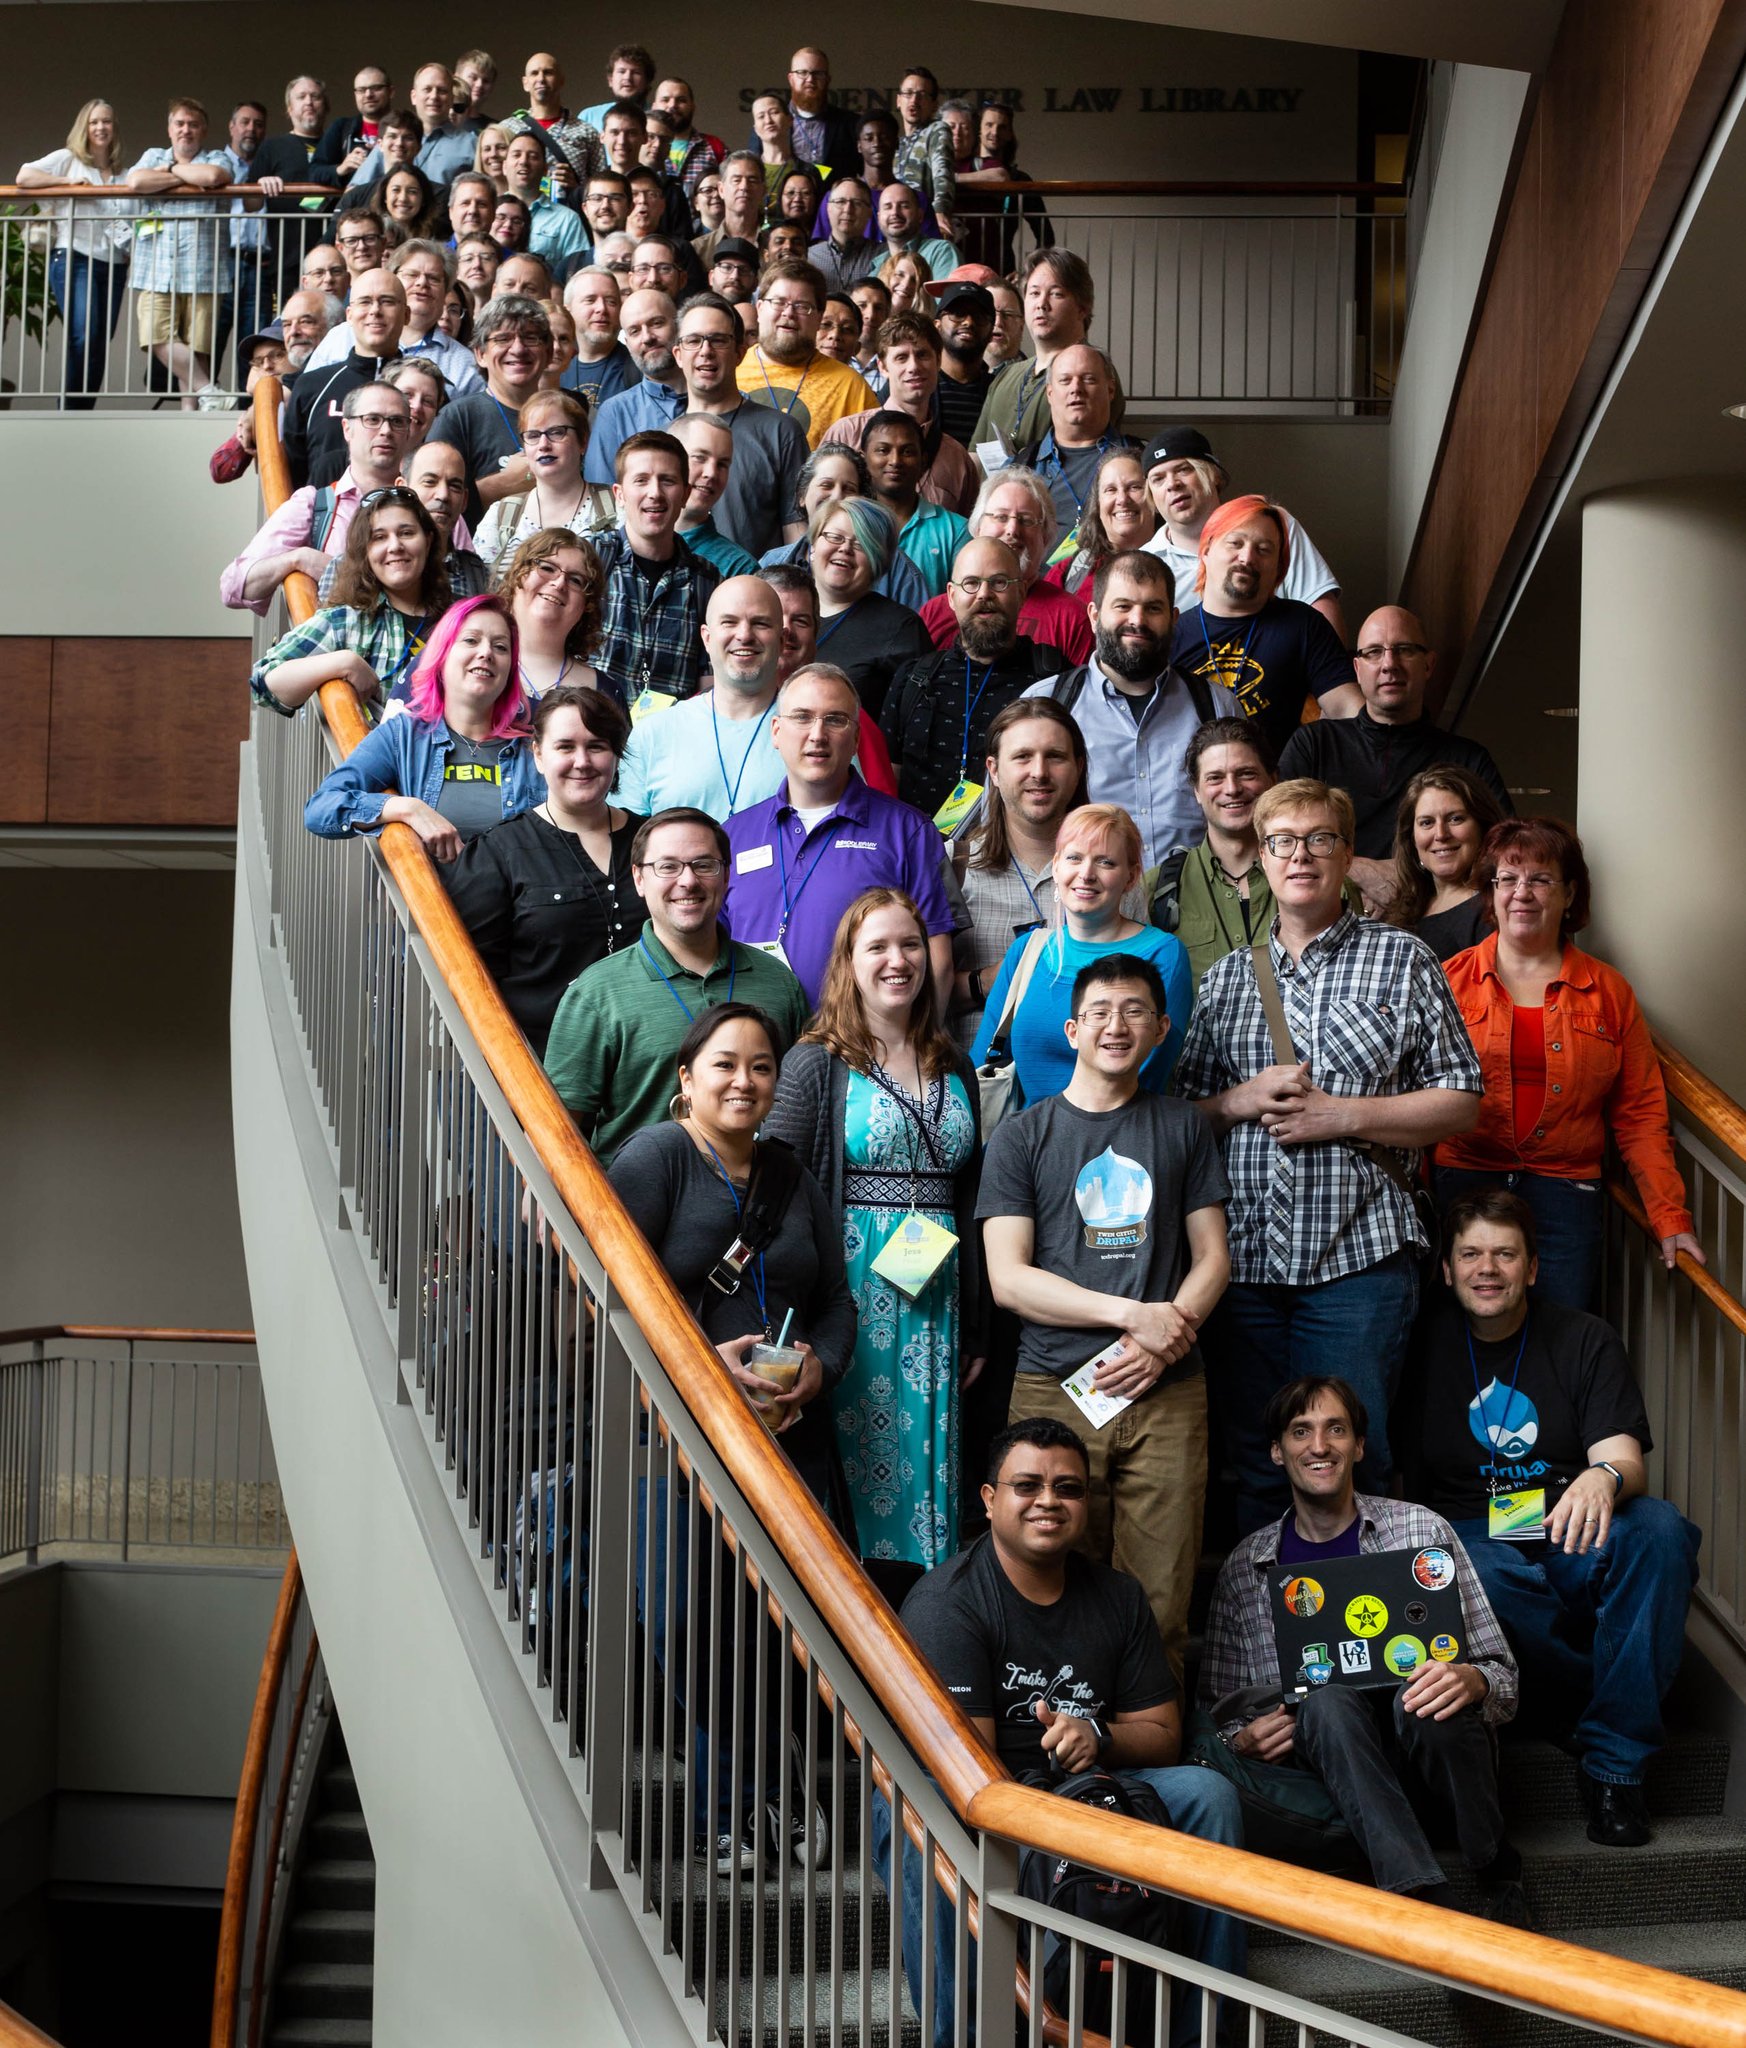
{"x": 1114, "y": 1197}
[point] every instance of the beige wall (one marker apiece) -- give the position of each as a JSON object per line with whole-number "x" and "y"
{"x": 219, "y": 55}
{"x": 1676, "y": 926}
{"x": 117, "y": 1185}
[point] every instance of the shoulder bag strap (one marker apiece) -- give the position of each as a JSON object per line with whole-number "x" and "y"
{"x": 775, "y": 1176}
{"x": 1015, "y": 992}
{"x": 1272, "y": 1003}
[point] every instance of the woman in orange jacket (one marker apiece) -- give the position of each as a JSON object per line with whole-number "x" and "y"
{"x": 1567, "y": 1061}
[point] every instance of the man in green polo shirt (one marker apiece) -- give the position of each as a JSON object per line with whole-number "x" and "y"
{"x": 618, "y": 1027}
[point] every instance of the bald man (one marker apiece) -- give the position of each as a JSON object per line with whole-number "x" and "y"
{"x": 714, "y": 752}
{"x": 709, "y": 443}
{"x": 549, "y": 121}
{"x": 1375, "y": 755}
{"x": 649, "y": 325}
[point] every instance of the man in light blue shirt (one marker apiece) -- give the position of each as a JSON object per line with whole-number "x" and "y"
{"x": 1136, "y": 712}
{"x": 900, "y": 222}
{"x": 630, "y": 71}
{"x": 554, "y": 230}
{"x": 714, "y": 752}
{"x": 446, "y": 150}
{"x": 649, "y": 326}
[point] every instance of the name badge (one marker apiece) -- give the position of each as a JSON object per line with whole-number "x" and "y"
{"x": 992, "y": 455}
{"x": 647, "y": 701}
{"x": 1082, "y": 1390}
{"x": 771, "y": 946}
{"x": 958, "y": 807}
{"x": 1517, "y": 1517}
{"x": 751, "y": 858}
{"x": 917, "y": 1249}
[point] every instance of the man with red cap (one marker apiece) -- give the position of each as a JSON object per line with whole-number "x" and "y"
{"x": 1273, "y": 653}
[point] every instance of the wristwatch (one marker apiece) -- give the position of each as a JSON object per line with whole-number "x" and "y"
{"x": 1601, "y": 1465}
{"x": 1099, "y": 1730}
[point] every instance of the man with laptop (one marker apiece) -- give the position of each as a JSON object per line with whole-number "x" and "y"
{"x": 1395, "y": 1714}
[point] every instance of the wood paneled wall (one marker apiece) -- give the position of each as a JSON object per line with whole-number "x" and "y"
{"x": 121, "y": 732}
{"x": 1629, "y": 98}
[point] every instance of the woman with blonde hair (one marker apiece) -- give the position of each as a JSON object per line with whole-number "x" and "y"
{"x": 88, "y": 267}
{"x": 881, "y": 1106}
{"x": 489, "y": 155}
{"x": 1097, "y": 861}
{"x": 904, "y": 274}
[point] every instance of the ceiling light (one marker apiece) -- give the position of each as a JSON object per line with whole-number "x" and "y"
{"x": 1562, "y": 711}
{"x": 1734, "y": 412}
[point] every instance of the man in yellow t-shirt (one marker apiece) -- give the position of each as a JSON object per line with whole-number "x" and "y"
{"x": 785, "y": 369}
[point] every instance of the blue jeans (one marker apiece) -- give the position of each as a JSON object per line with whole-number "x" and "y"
{"x": 89, "y": 293}
{"x": 1200, "y": 1802}
{"x": 1569, "y": 1217}
{"x": 1608, "y": 1626}
{"x": 1262, "y": 1337}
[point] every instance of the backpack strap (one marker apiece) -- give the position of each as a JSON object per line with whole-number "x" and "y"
{"x": 1165, "y": 901}
{"x": 321, "y": 516}
{"x": 1069, "y": 686}
{"x": 775, "y": 1176}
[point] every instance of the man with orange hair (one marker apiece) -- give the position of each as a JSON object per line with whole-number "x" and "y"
{"x": 1272, "y": 653}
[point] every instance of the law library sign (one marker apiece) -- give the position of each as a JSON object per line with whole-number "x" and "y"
{"x": 1076, "y": 99}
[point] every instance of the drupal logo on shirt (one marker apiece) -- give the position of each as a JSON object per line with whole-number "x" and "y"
{"x": 1114, "y": 1196}
{"x": 1506, "y": 1423}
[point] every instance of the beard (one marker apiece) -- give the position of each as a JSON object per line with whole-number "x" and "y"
{"x": 297, "y": 353}
{"x": 786, "y": 348}
{"x": 657, "y": 363}
{"x": 987, "y": 634}
{"x": 1131, "y": 661}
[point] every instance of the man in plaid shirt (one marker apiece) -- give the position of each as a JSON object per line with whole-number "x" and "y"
{"x": 1434, "y": 1732}
{"x": 1325, "y": 1244}
{"x": 657, "y": 590}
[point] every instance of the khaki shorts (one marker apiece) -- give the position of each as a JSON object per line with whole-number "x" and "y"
{"x": 177, "y": 316}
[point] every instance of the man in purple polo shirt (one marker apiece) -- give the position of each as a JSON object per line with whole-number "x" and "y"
{"x": 802, "y": 857}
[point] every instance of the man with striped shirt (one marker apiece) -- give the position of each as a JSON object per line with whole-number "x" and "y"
{"x": 1325, "y": 1243}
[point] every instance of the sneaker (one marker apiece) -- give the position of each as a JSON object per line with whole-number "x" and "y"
{"x": 212, "y": 398}
{"x": 734, "y": 1852}
{"x": 804, "y": 1817}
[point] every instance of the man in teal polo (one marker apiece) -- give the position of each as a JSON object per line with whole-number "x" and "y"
{"x": 611, "y": 1052}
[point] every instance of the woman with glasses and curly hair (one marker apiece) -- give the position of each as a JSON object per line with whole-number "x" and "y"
{"x": 459, "y": 760}
{"x": 555, "y": 589}
{"x": 391, "y": 587}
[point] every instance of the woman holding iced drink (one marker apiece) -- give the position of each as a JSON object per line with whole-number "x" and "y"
{"x": 699, "y": 1187}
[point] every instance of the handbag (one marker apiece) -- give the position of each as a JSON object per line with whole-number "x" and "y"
{"x": 997, "y": 1088}
{"x": 1383, "y": 1157}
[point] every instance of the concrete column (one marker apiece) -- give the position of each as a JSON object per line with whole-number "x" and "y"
{"x": 1662, "y": 755}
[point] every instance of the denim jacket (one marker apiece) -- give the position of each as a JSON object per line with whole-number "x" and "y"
{"x": 407, "y": 756}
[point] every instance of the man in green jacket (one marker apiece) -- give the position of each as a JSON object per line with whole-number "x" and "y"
{"x": 618, "y": 1028}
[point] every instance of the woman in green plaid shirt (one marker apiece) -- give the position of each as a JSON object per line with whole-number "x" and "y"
{"x": 391, "y": 589}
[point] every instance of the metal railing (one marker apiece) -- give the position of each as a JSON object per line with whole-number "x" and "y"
{"x": 72, "y": 340}
{"x": 1281, "y": 298}
{"x": 700, "y": 1640}
{"x": 292, "y": 1712}
{"x": 135, "y": 1441}
{"x": 1686, "y": 1335}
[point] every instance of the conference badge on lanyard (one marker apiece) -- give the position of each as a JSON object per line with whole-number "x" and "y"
{"x": 647, "y": 702}
{"x": 917, "y": 1249}
{"x": 958, "y": 806}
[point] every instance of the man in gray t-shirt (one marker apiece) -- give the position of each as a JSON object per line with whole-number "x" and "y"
{"x": 1104, "y": 1226}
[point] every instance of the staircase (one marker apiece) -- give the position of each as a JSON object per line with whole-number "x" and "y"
{"x": 321, "y": 1993}
{"x": 1679, "y": 1903}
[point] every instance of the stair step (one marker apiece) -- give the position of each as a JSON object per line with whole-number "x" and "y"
{"x": 339, "y": 1789}
{"x": 1538, "y": 1779}
{"x": 324, "y": 1991}
{"x": 1694, "y": 1869}
{"x": 339, "y": 1834}
{"x": 712, "y": 1898}
{"x": 331, "y": 1934}
{"x": 758, "y": 2027}
{"x": 319, "y": 2033}
{"x": 337, "y": 1882}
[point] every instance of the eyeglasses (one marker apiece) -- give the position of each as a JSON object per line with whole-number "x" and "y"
{"x": 1099, "y": 1014}
{"x": 1282, "y": 845}
{"x": 1507, "y": 883}
{"x": 1402, "y": 650}
{"x": 1018, "y": 519}
{"x": 723, "y": 341}
{"x": 549, "y": 572}
{"x": 973, "y": 586}
{"x": 374, "y": 422}
{"x": 365, "y": 240}
{"x": 705, "y": 869}
{"x": 804, "y": 721}
{"x": 540, "y": 436}
{"x": 1032, "y": 1488}
{"x": 808, "y": 71}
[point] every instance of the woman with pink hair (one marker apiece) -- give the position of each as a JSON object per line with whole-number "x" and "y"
{"x": 458, "y": 758}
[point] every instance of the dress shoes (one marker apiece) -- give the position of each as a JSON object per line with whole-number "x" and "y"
{"x": 1617, "y": 1815}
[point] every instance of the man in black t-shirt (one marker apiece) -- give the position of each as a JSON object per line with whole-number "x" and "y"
{"x": 1271, "y": 652}
{"x": 1531, "y": 1442}
{"x": 1057, "y": 1663}
{"x": 1104, "y": 1223}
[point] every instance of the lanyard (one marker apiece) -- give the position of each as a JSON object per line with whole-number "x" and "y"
{"x": 534, "y": 692}
{"x": 739, "y": 1219}
{"x": 1025, "y": 393}
{"x": 414, "y": 646}
{"x": 914, "y": 1120}
{"x": 1060, "y": 469}
{"x": 1485, "y": 1424}
{"x": 733, "y": 969}
{"x": 970, "y": 704}
{"x": 733, "y": 788}
{"x": 1206, "y": 635}
{"x": 837, "y": 621}
{"x": 1029, "y": 891}
{"x": 794, "y": 395}
{"x": 509, "y": 426}
{"x": 790, "y": 904}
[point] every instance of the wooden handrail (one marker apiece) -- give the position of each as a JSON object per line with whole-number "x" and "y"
{"x": 117, "y": 1333}
{"x": 227, "y": 1983}
{"x": 275, "y": 1840}
{"x": 1720, "y": 1115}
{"x": 17, "y": 2032}
{"x": 1138, "y": 188}
{"x": 124, "y": 190}
{"x": 1700, "y": 1277}
{"x": 1610, "y": 1994}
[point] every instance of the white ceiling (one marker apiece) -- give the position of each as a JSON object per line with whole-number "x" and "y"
{"x": 1515, "y": 35}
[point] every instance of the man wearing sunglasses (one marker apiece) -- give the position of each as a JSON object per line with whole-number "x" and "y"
{"x": 1323, "y": 1147}
{"x": 1104, "y": 1226}
{"x": 1375, "y": 755}
{"x": 1057, "y": 1662}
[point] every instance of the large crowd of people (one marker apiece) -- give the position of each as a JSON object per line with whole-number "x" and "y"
{"x": 993, "y": 927}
